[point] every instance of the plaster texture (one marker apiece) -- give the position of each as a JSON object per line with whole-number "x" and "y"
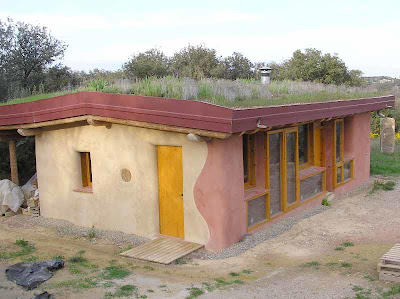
{"x": 130, "y": 207}
{"x": 219, "y": 193}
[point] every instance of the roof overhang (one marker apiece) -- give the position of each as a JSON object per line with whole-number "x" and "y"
{"x": 174, "y": 114}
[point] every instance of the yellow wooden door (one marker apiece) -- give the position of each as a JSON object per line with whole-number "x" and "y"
{"x": 170, "y": 190}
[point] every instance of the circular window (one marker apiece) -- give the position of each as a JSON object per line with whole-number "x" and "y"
{"x": 126, "y": 175}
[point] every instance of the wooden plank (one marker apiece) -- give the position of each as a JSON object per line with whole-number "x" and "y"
{"x": 163, "y": 250}
{"x": 162, "y": 247}
{"x": 188, "y": 248}
{"x": 146, "y": 246}
{"x": 167, "y": 250}
{"x": 174, "y": 251}
{"x": 181, "y": 254}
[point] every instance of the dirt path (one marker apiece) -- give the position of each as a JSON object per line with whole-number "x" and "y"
{"x": 300, "y": 263}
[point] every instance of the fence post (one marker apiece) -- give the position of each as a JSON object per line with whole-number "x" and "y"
{"x": 387, "y": 135}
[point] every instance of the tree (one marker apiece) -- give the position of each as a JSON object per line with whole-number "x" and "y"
{"x": 238, "y": 66}
{"x": 312, "y": 65}
{"x": 26, "y": 52}
{"x": 152, "y": 62}
{"x": 197, "y": 62}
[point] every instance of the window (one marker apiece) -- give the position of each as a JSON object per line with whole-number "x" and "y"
{"x": 257, "y": 211}
{"x": 305, "y": 144}
{"x": 86, "y": 166}
{"x": 248, "y": 161}
{"x": 342, "y": 168}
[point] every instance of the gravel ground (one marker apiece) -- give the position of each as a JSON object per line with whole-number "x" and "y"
{"x": 64, "y": 227}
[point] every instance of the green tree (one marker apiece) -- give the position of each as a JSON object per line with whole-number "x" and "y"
{"x": 152, "y": 62}
{"x": 312, "y": 65}
{"x": 197, "y": 62}
{"x": 26, "y": 52}
{"x": 238, "y": 66}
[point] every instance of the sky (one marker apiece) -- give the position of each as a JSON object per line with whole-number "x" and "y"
{"x": 105, "y": 34}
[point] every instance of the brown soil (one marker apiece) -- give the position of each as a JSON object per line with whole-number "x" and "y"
{"x": 278, "y": 267}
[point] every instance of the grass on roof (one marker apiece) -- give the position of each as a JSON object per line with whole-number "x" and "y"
{"x": 238, "y": 93}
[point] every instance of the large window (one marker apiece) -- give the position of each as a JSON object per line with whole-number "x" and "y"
{"x": 249, "y": 161}
{"x": 342, "y": 167}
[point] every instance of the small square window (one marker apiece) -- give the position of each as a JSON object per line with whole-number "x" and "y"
{"x": 86, "y": 166}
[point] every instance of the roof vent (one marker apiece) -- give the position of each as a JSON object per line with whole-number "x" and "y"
{"x": 265, "y": 75}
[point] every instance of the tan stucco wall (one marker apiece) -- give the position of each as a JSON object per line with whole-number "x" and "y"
{"x": 115, "y": 205}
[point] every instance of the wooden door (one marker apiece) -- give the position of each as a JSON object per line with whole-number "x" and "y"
{"x": 170, "y": 190}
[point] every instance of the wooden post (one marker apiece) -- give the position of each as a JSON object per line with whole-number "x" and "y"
{"x": 13, "y": 162}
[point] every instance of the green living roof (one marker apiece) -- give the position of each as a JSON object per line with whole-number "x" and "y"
{"x": 238, "y": 93}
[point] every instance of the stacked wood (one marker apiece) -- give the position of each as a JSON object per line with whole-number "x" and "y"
{"x": 389, "y": 265}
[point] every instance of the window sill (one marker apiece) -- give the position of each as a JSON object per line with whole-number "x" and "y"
{"x": 84, "y": 190}
{"x": 254, "y": 193}
{"x": 310, "y": 171}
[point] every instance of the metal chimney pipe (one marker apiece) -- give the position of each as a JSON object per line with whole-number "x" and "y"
{"x": 265, "y": 75}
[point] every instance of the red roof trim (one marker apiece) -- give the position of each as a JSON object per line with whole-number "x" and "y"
{"x": 182, "y": 113}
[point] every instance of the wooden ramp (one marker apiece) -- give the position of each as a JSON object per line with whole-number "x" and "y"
{"x": 389, "y": 265}
{"x": 163, "y": 250}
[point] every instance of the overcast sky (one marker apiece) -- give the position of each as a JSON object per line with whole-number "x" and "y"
{"x": 104, "y": 34}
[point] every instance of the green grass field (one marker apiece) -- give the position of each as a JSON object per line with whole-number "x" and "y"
{"x": 384, "y": 164}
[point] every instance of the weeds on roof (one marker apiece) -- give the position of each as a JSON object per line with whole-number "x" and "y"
{"x": 238, "y": 93}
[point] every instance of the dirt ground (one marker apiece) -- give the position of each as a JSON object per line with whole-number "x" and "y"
{"x": 304, "y": 262}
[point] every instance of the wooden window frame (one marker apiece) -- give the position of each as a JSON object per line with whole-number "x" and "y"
{"x": 310, "y": 146}
{"x": 251, "y": 163}
{"x": 320, "y": 170}
{"x": 267, "y": 207}
{"x": 283, "y": 154}
{"x": 86, "y": 170}
{"x": 342, "y": 161}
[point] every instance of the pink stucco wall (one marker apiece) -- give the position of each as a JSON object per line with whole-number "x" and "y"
{"x": 219, "y": 193}
{"x": 356, "y": 144}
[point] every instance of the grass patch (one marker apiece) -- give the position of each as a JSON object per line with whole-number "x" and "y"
{"x": 92, "y": 233}
{"x": 332, "y": 264}
{"x": 339, "y": 248}
{"x": 346, "y": 265}
{"x": 58, "y": 257}
{"x": 25, "y": 248}
{"x": 382, "y": 185}
{"x": 384, "y": 164}
{"x": 234, "y": 274}
{"x": 86, "y": 283}
{"x": 124, "y": 291}
{"x": 194, "y": 292}
{"x": 313, "y": 264}
{"x": 180, "y": 261}
{"x": 78, "y": 259}
{"x": 115, "y": 272}
{"x": 347, "y": 244}
{"x": 325, "y": 202}
{"x": 248, "y": 271}
{"x": 370, "y": 277}
{"x": 150, "y": 268}
{"x": 394, "y": 290}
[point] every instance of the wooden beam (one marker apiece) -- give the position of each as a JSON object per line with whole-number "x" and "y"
{"x": 29, "y": 132}
{"x": 13, "y": 162}
{"x": 98, "y": 123}
{"x": 82, "y": 120}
